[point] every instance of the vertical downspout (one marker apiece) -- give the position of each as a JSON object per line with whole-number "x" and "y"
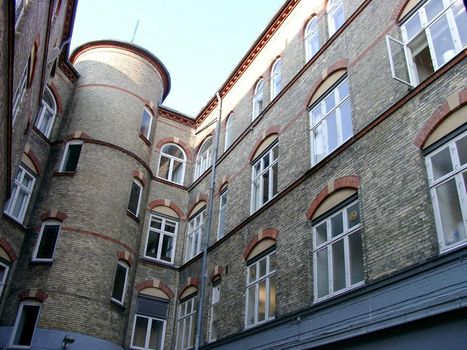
{"x": 207, "y": 233}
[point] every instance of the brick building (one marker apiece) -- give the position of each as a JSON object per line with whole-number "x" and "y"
{"x": 336, "y": 218}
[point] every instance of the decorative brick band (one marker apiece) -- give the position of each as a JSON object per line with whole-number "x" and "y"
{"x": 275, "y": 129}
{"x": 53, "y": 214}
{"x": 77, "y": 135}
{"x": 34, "y": 159}
{"x": 270, "y": 233}
{"x": 331, "y": 187}
{"x": 453, "y": 103}
{"x": 32, "y": 293}
{"x": 190, "y": 282}
{"x": 58, "y": 99}
{"x": 140, "y": 176}
{"x": 167, "y": 203}
{"x": 187, "y": 149}
{"x": 8, "y": 249}
{"x": 125, "y": 256}
{"x": 155, "y": 283}
{"x": 216, "y": 274}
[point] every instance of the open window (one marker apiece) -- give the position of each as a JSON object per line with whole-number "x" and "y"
{"x": 120, "y": 282}
{"x": 71, "y": 156}
{"x": 431, "y": 36}
{"x": 25, "y": 324}
{"x": 146, "y": 123}
{"x": 47, "y": 241}
{"x": 135, "y": 197}
{"x": 46, "y": 116}
{"x": 204, "y": 158}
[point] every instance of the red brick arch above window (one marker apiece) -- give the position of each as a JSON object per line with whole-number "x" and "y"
{"x": 155, "y": 283}
{"x": 187, "y": 149}
{"x": 167, "y": 203}
{"x": 201, "y": 197}
{"x": 198, "y": 146}
{"x": 190, "y": 282}
{"x": 267, "y": 233}
{"x": 32, "y": 294}
{"x": 273, "y": 130}
{"x": 58, "y": 99}
{"x": 125, "y": 256}
{"x": 54, "y": 214}
{"x": 138, "y": 174}
{"x": 77, "y": 135}
{"x": 34, "y": 159}
{"x": 8, "y": 249}
{"x": 223, "y": 183}
{"x": 216, "y": 273}
{"x": 331, "y": 187}
{"x": 452, "y": 104}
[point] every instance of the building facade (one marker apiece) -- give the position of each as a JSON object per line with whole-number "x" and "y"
{"x": 337, "y": 216}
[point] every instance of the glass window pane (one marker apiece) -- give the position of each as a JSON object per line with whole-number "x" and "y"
{"x": 119, "y": 283}
{"x": 274, "y": 178}
{"x": 156, "y": 223}
{"x": 250, "y": 317}
{"x": 173, "y": 151}
{"x": 316, "y": 115}
{"x": 170, "y": 227}
{"x": 265, "y": 197}
{"x": 353, "y": 215}
{"x": 177, "y": 172}
{"x": 164, "y": 167}
{"x": 155, "y": 335}
{"x": 153, "y": 244}
{"x": 166, "y": 253}
{"x": 272, "y": 262}
{"x": 319, "y": 147}
{"x": 460, "y": 16}
{"x": 413, "y": 26}
{"x": 134, "y": 198}
{"x": 338, "y": 17}
{"x": 146, "y": 123}
{"x": 332, "y": 131}
{"x": 262, "y": 301}
{"x": 262, "y": 267}
{"x": 26, "y": 325}
{"x": 443, "y": 43}
{"x": 337, "y": 225}
{"x": 47, "y": 244}
{"x": 275, "y": 152}
{"x": 346, "y": 119}
{"x": 251, "y": 273}
{"x": 343, "y": 90}
{"x": 272, "y": 296}
{"x": 356, "y": 257}
{"x": 139, "y": 333}
{"x": 321, "y": 234}
{"x": 20, "y": 201}
{"x": 433, "y": 8}
{"x": 461, "y": 146}
{"x": 322, "y": 272}
{"x": 441, "y": 163}
{"x": 338, "y": 265}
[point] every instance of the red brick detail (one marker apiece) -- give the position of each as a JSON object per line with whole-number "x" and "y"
{"x": 140, "y": 176}
{"x": 32, "y": 294}
{"x": 77, "y": 135}
{"x": 54, "y": 214}
{"x": 187, "y": 149}
{"x": 125, "y": 256}
{"x": 167, "y": 203}
{"x": 8, "y": 249}
{"x": 270, "y": 233}
{"x": 216, "y": 274}
{"x": 58, "y": 99}
{"x": 190, "y": 282}
{"x": 340, "y": 183}
{"x": 196, "y": 150}
{"x": 275, "y": 129}
{"x": 224, "y": 182}
{"x": 35, "y": 160}
{"x": 399, "y": 8}
{"x": 339, "y": 65}
{"x": 149, "y": 105}
{"x": 155, "y": 283}
{"x": 442, "y": 113}
{"x": 201, "y": 197}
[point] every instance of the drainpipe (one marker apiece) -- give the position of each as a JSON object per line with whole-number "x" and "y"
{"x": 207, "y": 233}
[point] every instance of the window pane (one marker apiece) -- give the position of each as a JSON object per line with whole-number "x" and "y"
{"x": 265, "y": 197}
{"x": 262, "y": 267}
{"x": 119, "y": 283}
{"x": 177, "y": 172}
{"x": 319, "y": 148}
{"x": 153, "y": 244}
{"x": 353, "y": 215}
{"x": 330, "y": 102}
{"x": 274, "y": 179}
{"x": 20, "y": 201}
{"x": 72, "y": 157}
{"x": 251, "y": 305}
{"x": 47, "y": 244}
{"x": 139, "y": 333}
{"x": 443, "y": 43}
{"x": 170, "y": 227}
{"x": 166, "y": 253}
{"x": 460, "y": 16}
{"x": 262, "y": 301}
{"x": 346, "y": 119}
{"x": 337, "y": 225}
{"x": 272, "y": 262}
{"x": 433, "y": 8}
{"x": 356, "y": 257}
{"x": 256, "y": 195}
{"x": 322, "y": 272}
{"x": 461, "y": 146}
{"x": 26, "y": 325}
{"x": 134, "y": 198}
{"x": 338, "y": 265}
{"x": 450, "y": 213}
{"x": 441, "y": 163}
{"x": 27, "y": 180}
{"x": 156, "y": 335}
{"x": 413, "y": 26}
{"x": 156, "y": 223}
{"x": 316, "y": 115}
{"x": 321, "y": 234}
{"x": 338, "y": 17}
{"x": 164, "y": 167}
{"x": 146, "y": 123}
{"x": 332, "y": 132}
{"x": 252, "y": 273}
{"x": 272, "y": 296}
{"x": 173, "y": 150}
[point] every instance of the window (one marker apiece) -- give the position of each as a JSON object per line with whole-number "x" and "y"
{"x": 172, "y": 164}
{"x": 45, "y": 245}
{"x": 46, "y": 116}
{"x": 337, "y": 252}
{"x": 311, "y": 38}
{"x": 71, "y": 156}
{"x": 214, "y": 320}
{"x": 195, "y": 235}
{"x": 261, "y": 290}
{"x": 19, "y": 9}
{"x": 135, "y": 197}
{"x": 222, "y": 213}
{"x": 335, "y": 15}
{"x": 276, "y": 78}
{"x": 25, "y": 324}
{"x": 3, "y": 275}
{"x": 432, "y": 36}
{"x": 204, "y": 159}
{"x": 331, "y": 122}
{"x": 149, "y": 324}
{"x": 447, "y": 175}
{"x": 186, "y": 324}
{"x": 146, "y": 123}
{"x": 119, "y": 287}
{"x": 228, "y": 131}
{"x": 162, "y": 235}
{"x": 23, "y": 186}
{"x": 258, "y": 99}
{"x": 20, "y": 91}
{"x": 264, "y": 178}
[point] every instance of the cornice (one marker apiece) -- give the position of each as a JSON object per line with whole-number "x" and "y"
{"x": 176, "y": 116}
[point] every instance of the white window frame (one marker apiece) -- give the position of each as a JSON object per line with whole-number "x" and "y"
{"x": 276, "y": 78}
{"x": 140, "y": 194}
{"x": 228, "y": 131}
{"x": 311, "y": 37}
{"x": 18, "y": 316}
{"x": 172, "y": 160}
{"x": 187, "y": 318}
{"x": 148, "y": 330}
{"x": 162, "y": 234}
{"x": 151, "y": 117}
{"x": 65, "y": 154}
{"x": 45, "y": 108}
{"x": 17, "y": 187}
{"x": 204, "y": 158}
{"x": 5, "y": 276}
{"x": 195, "y": 235}
{"x": 215, "y": 299}
{"x": 457, "y": 174}
{"x": 127, "y": 270}
{"x": 39, "y": 240}
{"x": 258, "y": 99}
{"x": 344, "y": 236}
{"x": 20, "y": 92}
{"x": 269, "y": 273}
{"x": 258, "y": 178}
{"x": 332, "y": 7}
{"x": 324, "y": 120}
{"x": 222, "y": 213}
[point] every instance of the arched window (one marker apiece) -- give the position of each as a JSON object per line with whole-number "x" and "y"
{"x": 311, "y": 38}
{"x": 258, "y": 99}
{"x": 276, "y": 78}
{"x": 228, "y": 131}
{"x": 46, "y": 116}
{"x": 204, "y": 158}
{"x": 335, "y": 10}
{"x": 172, "y": 163}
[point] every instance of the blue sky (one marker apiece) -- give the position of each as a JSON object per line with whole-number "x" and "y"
{"x": 199, "y": 41}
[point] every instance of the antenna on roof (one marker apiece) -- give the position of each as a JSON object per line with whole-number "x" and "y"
{"x": 134, "y": 33}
